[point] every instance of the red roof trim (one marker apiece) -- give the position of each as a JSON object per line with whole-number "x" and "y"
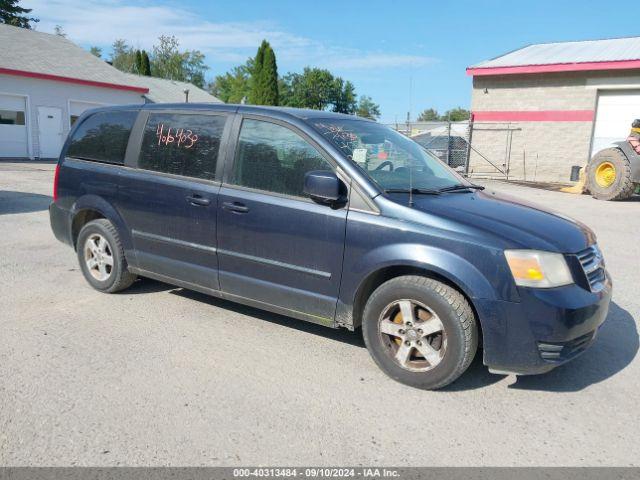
{"x": 77, "y": 81}
{"x": 535, "y": 116}
{"x": 555, "y": 67}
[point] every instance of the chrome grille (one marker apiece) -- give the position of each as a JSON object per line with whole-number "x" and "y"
{"x": 593, "y": 267}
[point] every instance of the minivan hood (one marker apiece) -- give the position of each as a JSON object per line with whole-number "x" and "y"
{"x": 522, "y": 224}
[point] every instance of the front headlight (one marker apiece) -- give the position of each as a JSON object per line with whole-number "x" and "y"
{"x": 535, "y": 268}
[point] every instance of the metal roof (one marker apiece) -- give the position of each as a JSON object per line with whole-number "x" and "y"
{"x": 43, "y": 55}
{"x": 610, "y": 50}
{"x": 170, "y": 91}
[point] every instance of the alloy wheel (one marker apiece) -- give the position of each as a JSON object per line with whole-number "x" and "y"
{"x": 413, "y": 335}
{"x": 98, "y": 257}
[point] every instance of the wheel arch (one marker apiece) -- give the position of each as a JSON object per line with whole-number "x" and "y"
{"x": 92, "y": 207}
{"x": 473, "y": 285}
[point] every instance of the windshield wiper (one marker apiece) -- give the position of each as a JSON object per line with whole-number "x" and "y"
{"x": 414, "y": 191}
{"x": 460, "y": 187}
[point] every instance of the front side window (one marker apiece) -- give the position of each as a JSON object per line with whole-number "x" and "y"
{"x": 182, "y": 144}
{"x": 389, "y": 158}
{"x": 103, "y": 137}
{"x": 274, "y": 158}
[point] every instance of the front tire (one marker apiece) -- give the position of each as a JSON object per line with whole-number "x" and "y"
{"x": 609, "y": 175}
{"x": 101, "y": 257}
{"x": 420, "y": 332}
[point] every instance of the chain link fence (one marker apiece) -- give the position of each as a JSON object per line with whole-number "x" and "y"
{"x": 449, "y": 141}
{"x": 486, "y": 150}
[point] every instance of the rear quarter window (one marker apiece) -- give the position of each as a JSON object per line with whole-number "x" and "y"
{"x": 182, "y": 144}
{"x": 103, "y": 137}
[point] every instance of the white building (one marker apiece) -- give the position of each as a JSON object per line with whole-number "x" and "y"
{"x": 46, "y": 82}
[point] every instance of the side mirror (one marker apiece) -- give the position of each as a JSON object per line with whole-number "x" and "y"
{"x": 324, "y": 186}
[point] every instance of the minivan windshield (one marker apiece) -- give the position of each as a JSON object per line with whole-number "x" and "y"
{"x": 393, "y": 161}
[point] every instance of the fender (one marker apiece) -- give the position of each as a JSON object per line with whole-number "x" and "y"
{"x": 99, "y": 204}
{"x": 455, "y": 269}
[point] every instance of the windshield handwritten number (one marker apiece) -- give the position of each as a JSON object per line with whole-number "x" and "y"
{"x": 183, "y": 138}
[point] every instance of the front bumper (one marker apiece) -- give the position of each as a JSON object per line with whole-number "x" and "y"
{"x": 547, "y": 328}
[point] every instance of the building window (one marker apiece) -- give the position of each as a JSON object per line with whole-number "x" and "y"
{"x": 182, "y": 144}
{"x": 11, "y": 117}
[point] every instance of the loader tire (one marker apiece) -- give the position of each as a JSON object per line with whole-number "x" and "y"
{"x": 609, "y": 175}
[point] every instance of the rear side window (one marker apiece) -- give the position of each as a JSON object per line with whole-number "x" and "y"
{"x": 103, "y": 137}
{"x": 182, "y": 144}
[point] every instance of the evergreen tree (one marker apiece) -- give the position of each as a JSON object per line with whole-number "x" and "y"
{"x": 12, "y": 14}
{"x": 269, "y": 78}
{"x": 97, "y": 51}
{"x": 255, "y": 94}
{"x": 138, "y": 62}
{"x": 146, "y": 64}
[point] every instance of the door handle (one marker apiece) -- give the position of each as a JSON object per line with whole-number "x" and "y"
{"x": 235, "y": 207}
{"x": 198, "y": 200}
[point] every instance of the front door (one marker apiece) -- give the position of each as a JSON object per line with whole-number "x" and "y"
{"x": 50, "y": 131}
{"x": 275, "y": 246}
{"x": 169, "y": 202}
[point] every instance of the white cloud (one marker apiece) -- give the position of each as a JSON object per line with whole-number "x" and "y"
{"x": 93, "y": 22}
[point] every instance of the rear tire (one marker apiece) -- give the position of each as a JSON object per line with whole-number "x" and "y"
{"x": 420, "y": 332}
{"x": 609, "y": 175}
{"x": 101, "y": 257}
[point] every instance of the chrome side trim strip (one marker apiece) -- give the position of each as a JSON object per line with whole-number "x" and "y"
{"x": 276, "y": 263}
{"x": 172, "y": 241}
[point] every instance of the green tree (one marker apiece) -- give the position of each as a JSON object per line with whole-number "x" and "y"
{"x": 13, "y": 14}
{"x": 313, "y": 88}
{"x": 345, "y": 97}
{"x": 138, "y": 62}
{"x": 269, "y": 78}
{"x": 97, "y": 51}
{"x": 264, "y": 77}
{"x": 194, "y": 67}
{"x": 234, "y": 85}
{"x": 367, "y": 108}
{"x": 429, "y": 115}
{"x": 146, "y": 64}
{"x": 167, "y": 61}
{"x": 458, "y": 114}
{"x": 122, "y": 56}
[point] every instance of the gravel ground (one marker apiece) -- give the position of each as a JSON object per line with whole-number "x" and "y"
{"x": 159, "y": 375}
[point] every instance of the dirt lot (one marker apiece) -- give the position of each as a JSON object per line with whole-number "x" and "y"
{"x": 162, "y": 376}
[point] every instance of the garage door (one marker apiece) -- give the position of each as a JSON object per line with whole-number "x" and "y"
{"x": 616, "y": 110}
{"x": 13, "y": 126}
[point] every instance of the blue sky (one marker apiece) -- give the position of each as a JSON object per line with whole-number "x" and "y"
{"x": 407, "y": 55}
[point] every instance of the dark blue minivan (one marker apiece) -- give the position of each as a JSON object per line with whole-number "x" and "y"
{"x": 332, "y": 219}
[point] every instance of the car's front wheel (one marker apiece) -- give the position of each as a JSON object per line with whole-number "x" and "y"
{"x": 101, "y": 257}
{"x": 420, "y": 331}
